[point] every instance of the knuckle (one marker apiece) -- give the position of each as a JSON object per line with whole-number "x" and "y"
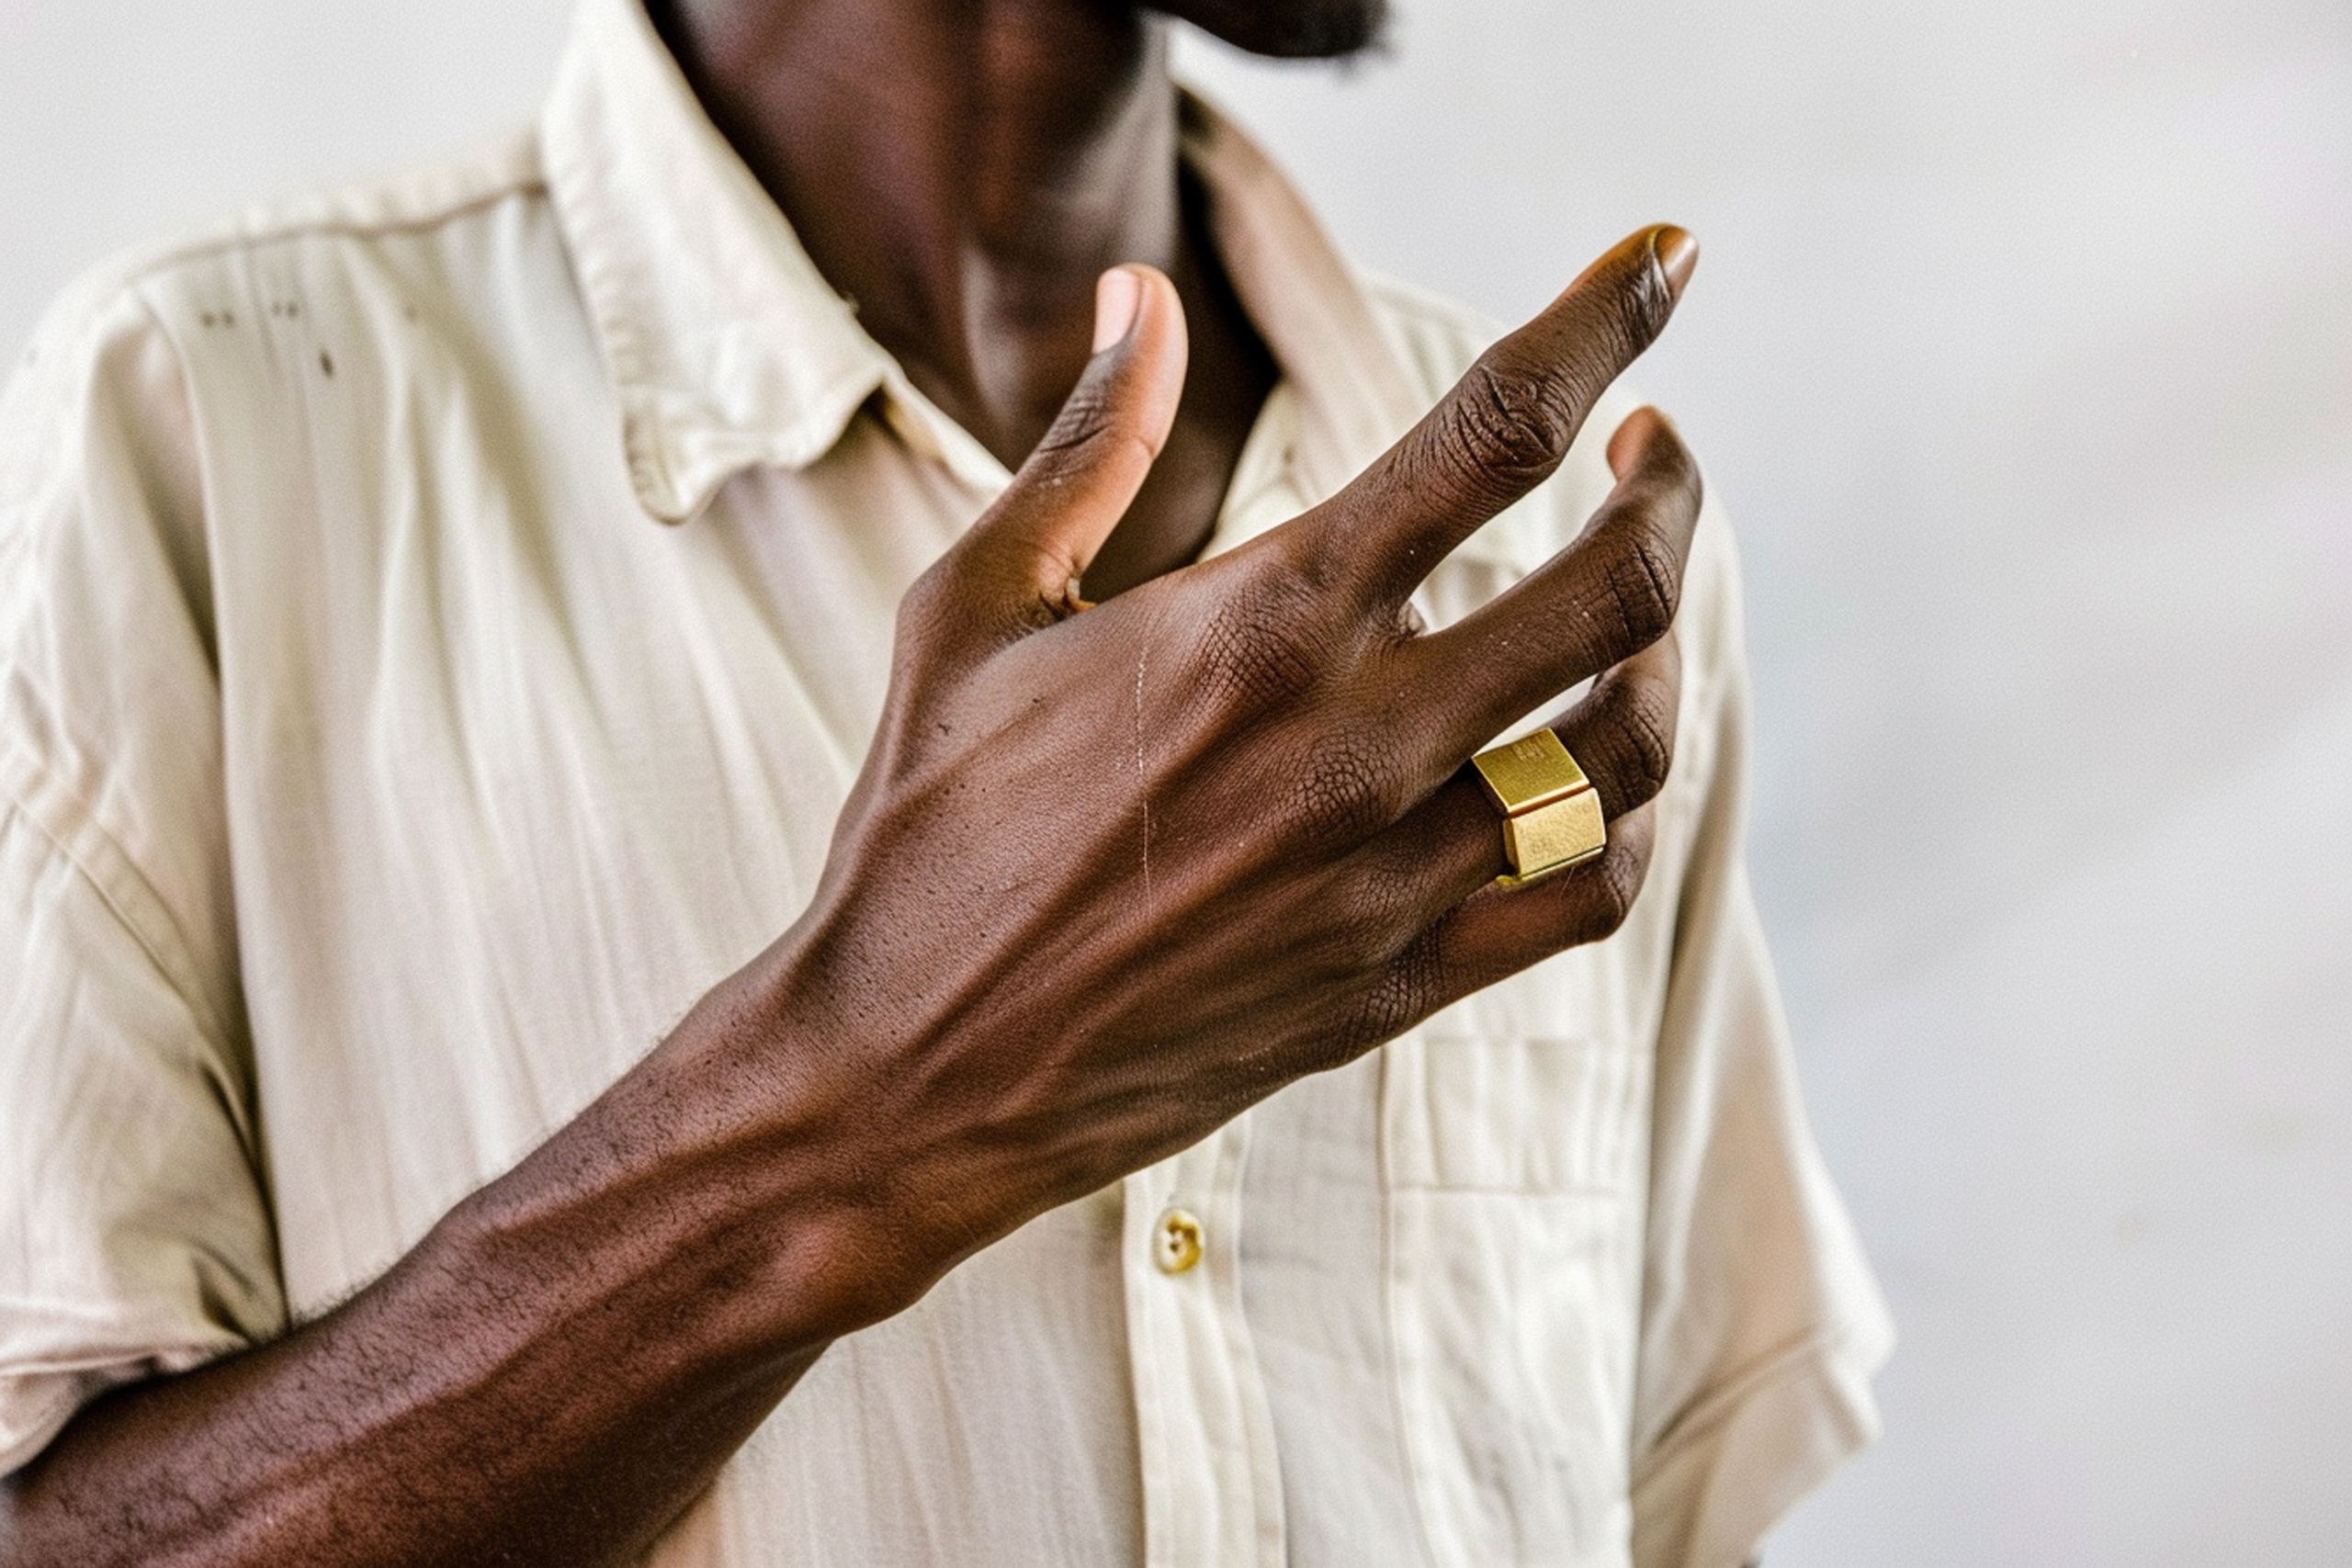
{"x": 1647, "y": 727}
{"x": 1514, "y": 422}
{"x": 1380, "y": 1014}
{"x": 1403, "y": 994}
{"x": 1345, "y": 794}
{"x": 1258, "y": 647}
{"x": 1370, "y": 903}
{"x": 1645, "y": 587}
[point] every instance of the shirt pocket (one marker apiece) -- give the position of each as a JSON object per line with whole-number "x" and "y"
{"x": 1530, "y": 1088}
{"x": 1513, "y": 1144}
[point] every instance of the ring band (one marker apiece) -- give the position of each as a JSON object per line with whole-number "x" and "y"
{"x": 1551, "y": 812}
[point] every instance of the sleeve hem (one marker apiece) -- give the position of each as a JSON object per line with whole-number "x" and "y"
{"x": 38, "y": 1402}
{"x": 25, "y": 1433}
{"x": 1707, "y": 1498}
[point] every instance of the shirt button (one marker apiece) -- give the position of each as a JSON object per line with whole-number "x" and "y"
{"x": 1176, "y": 1244}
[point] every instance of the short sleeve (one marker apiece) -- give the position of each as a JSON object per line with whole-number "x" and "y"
{"x": 1761, "y": 1323}
{"x": 135, "y": 1237}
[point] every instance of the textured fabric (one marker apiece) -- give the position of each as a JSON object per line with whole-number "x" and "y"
{"x": 380, "y": 776}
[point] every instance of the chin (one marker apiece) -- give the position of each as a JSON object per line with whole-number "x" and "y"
{"x": 1287, "y": 29}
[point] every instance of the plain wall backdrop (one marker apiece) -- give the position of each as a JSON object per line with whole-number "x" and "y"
{"x": 2022, "y": 350}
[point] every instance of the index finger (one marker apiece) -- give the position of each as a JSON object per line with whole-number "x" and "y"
{"x": 1506, "y": 425}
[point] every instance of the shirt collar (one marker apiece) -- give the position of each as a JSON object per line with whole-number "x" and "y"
{"x": 728, "y": 350}
{"x": 726, "y": 346}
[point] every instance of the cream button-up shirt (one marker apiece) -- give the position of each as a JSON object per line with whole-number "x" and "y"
{"x": 438, "y": 625}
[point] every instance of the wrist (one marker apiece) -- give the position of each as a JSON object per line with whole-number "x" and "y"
{"x": 719, "y": 1190}
{"x": 900, "y": 1126}
{"x": 801, "y": 1140}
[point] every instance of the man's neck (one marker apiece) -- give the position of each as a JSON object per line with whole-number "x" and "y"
{"x": 964, "y": 169}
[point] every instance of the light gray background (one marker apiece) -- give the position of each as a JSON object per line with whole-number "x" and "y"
{"x": 2022, "y": 347}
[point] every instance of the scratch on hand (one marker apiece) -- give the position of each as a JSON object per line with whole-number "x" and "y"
{"x": 1143, "y": 789}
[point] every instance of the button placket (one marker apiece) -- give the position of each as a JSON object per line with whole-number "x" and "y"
{"x": 1212, "y": 1484}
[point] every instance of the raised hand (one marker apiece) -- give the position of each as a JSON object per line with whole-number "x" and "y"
{"x": 1114, "y": 872}
{"x": 1110, "y": 875}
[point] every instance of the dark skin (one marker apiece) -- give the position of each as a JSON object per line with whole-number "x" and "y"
{"x": 1043, "y": 152}
{"x": 911, "y": 1072}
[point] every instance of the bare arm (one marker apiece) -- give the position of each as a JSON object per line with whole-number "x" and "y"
{"x": 1018, "y": 980}
{"x": 549, "y": 1378}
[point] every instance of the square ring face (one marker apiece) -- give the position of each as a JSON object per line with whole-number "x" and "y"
{"x": 1532, "y": 771}
{"x": 1555, "y": 837}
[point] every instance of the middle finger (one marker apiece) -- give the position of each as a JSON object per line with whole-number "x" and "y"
{"x": 1605, "y": 597}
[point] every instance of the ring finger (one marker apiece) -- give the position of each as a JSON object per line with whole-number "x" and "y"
{"x": 1622, "y": 734}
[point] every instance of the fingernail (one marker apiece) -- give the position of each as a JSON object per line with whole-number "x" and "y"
{"x": 1678, "y": 256}
{"x": 1118, "y": 295}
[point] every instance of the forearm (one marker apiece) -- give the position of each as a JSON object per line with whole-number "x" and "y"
{"x": 550, "y": 1377}
{"x": 1004, "y": 996}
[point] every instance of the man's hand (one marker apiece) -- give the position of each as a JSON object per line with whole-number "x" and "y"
{"x": 1110, "y": 875}
{"x": 1114, "y": 873}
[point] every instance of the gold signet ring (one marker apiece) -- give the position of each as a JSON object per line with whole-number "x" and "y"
{"x": 1551, "y": 812}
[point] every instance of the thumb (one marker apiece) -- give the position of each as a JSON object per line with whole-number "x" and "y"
{"x": 1044, "y": 531}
